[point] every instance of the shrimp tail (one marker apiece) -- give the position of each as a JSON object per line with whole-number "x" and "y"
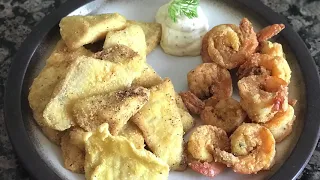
{"x": 269, "y": 31}
{"x": 208, "y": 169}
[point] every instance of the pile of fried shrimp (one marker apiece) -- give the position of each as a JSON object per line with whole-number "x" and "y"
{"x": 240, "y": 135}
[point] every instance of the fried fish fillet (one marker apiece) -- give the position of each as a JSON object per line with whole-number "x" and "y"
{"x": 114, "y": 157}
{"x": 86, "y": 77}
{"x": 44, "y": 84}
{"x": 133, "y": 134}
{"x": 62, "y": 53}
{"x": 186, "y": 119}
{"x": 77, "y": 31}
{"x": 132, "y": 36}
{"x": 53, "y": 135}
{"x": 73, "y": 155}
{"x": 152, "y": 33}
{"x": 148, "y": 77}
{"x": 160, "y": 123}
{"x": 114, "y": 108}
{"x": 117, "y": 53}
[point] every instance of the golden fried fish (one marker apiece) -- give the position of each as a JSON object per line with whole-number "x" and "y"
{"x": 152, "y": 33}
{"x": 132, "y": 36}
{"x": 148, "y": 77}
{"x": 114, "y": 108}
{"x": 73, "y": 155}
{"x": 117, "y": 53}
{"x": 186, "y": 119}
{"x": 44, "y": 84}
{"x": 77, "y": 31}
{"x": 53, "y": 135}
{"x": 114, "y": 157}
{"x": 160, "y": 122}
{"x": 133, "y": 134}
{"x": 86, "y": 77}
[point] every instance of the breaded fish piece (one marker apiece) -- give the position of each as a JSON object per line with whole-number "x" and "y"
{"x": 53, "y": 72}
{"x": 73, "y": 156}
{"x": 76, "y": 135}
{"x": 133, "y": 134}
{"x": 114, "y": 108}
{"x": 117, "y": 53}
{"x": 186, "y": 119}
{"x": 85, "y": 77}
{"x": 152, "y": 32}
{"x": 77, "y": 31}
{"x": 148, "y": 77}
{"x": 160, "y": 122}
{"x": 53, "y": 135}
{"x": 132, "y": 36}
{"x": 62, "y": 53}
{"x": 114, "y": 157}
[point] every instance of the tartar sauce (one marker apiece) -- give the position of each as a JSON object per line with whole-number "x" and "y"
{"x": 183, "y": 37}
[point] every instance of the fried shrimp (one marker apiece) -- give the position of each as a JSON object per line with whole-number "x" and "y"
{"x": 204, "y": 137}
{"x": 192, "y": 102}
{"x": 270, "y": 48}
{"x": 210, "y": 80}
{"x": 210, "y": 169}
{"x": 252, "y": 147}
{"x": 227, "y": 114}
{"x": 281, "y": 124}
{"x": 263, "y": 96}
{"x": 228, "y": 45}
{"x": 269, "y": 31}
{"x": 264, "y": 64}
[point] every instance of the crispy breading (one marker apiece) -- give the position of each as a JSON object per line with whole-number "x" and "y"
{"x": 44, "y": 84}
{"x": 76, "y": 135}
{"x": 152, "y": 32}
{"x": 73, "y": 156}
{"x": 62, "y": 53}
{"x": 117, "y": 53}
{"x": 160, "y": 122}
{"x": 53, "y": 135}
{"x": 132, "y": 36}
{"x": 205, "y": 136}
{"x": 186, "y": 119}
{"x": 133, "y": 134}
{"x": 86, "y": 77}
{"x": 114, "y": 157}
{"x": 77, "y": 31}
{"x": 114, "y": 108}
{"x": 148, "y": 77}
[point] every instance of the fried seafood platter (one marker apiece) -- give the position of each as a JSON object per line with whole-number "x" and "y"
{"x": 113, "y": 116}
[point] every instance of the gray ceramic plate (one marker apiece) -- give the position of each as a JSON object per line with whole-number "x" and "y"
{"x": 43, "y": 159}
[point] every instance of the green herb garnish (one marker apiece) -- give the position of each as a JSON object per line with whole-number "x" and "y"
{"x": 180, "y": 7}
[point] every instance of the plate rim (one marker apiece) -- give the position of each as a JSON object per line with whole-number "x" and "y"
{"x": 39, "y": 169}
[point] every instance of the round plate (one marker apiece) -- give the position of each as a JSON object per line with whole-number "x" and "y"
{"x": 43, "y": 159}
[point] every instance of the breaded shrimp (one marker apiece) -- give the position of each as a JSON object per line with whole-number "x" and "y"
{"x": 210, "y": 80}
{"x": 281, "y": 124}
{"x": 270, "y": 48}
{"x": 227, "y": 114}
{"x": 263, "y": 96}
{"x": 253, "y": 149}
{"x": 192, "y": 102}
{"x": 266, "y": 65}
{"x": 228, "y": 45}
{"x": 269, "y": 31}
{"x": 210, "y": 169}
{"x": 203, "y": 137}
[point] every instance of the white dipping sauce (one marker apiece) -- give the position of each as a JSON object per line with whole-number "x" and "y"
{"x": 183, "y": 37}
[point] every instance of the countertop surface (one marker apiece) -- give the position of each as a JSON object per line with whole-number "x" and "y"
{"x": 17, "y": 17}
